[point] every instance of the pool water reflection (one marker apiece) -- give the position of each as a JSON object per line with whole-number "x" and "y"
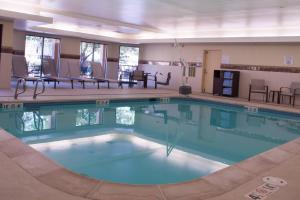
{"x": 145, "y": 142}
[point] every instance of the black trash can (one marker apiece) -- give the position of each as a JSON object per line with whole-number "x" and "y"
{"x": 185, "y": 90}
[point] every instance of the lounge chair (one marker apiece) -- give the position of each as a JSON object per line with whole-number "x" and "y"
{"x": 50, "y": 72}
{"x": 98, "y": 74}
{"x": 75, "y": 74}
{"x": 20, "y": 68}
{"x": 167, "y": 82}
{"x": 112, "y": 75}
{"x": 290, "y": 92}
{"x": 258, "y": 86}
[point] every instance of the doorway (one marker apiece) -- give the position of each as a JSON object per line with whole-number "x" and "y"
{"x": 211, "y": 61}
{"x": 39, "y": 48}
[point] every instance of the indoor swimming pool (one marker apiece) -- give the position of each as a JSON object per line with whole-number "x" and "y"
{"x": 149, "y": 141}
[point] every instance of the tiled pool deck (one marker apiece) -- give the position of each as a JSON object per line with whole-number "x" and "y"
{"x": 25, "y": 174}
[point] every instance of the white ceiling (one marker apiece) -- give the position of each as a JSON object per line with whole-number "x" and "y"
{"x": 144, "y": 21}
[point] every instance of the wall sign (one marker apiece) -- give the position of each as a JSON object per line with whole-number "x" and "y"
{"x": 288, "y": 60}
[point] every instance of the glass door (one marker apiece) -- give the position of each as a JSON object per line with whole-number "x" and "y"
{"x": 38, "y": 48}
{"x": 51, "y": 53}
{"x": 90, "y": 52}
{"x": 33, "y": 54}
{"x": 128, "y": 61}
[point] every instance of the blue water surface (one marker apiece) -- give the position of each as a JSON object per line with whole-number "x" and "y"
{"x": 148, "y": 142}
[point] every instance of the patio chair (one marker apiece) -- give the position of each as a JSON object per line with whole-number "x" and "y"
{"x": 167, "y": 82}
{"x": 138, "y": 75}
{"x": 290, "y": 92}
{"x": 50, "y": 72}
{"x": 20, "y": 68}
{"x": 98, "y": 74}
{"x": 75, "y": 74}
{"x": 258, "y": 86}
{"x": 114, "y": 76}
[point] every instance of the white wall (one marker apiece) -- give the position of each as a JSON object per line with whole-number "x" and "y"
{"x": 176, "y": 76}
{"x": 244, "y": 54}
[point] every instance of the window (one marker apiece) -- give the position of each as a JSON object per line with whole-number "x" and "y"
{"x": 192, "y": 71}
{"x": 34, "y": 121}
{"x": 87, "y": 117}
{"x": 125, "y": 116}
{"x": 129, "y": 58}
{"x": 38, "y": 48}
{"x": 90, "y": 52}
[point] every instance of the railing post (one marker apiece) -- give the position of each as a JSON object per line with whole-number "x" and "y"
{"x": 19, "y": 81}
{"x": 35, "y": 94}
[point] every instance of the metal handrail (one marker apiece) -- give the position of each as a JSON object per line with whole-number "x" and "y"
{"x": 40, "y": 125}
{"x": 19, "y": 81}
{"x": 35, "y": 94}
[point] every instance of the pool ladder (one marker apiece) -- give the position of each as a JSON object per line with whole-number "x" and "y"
{"x": 35, "y": 93}
{"x": 20, "y": 81}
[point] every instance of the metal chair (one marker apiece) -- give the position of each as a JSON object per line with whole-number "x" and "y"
{"x": 138, "y": 75}
{"x": 290, "y": 92}
{"x": 258, "y": 86}
{"x": 167, "y": 82}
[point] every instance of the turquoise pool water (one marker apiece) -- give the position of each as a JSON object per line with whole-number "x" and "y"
{"x": 148, "y": 142}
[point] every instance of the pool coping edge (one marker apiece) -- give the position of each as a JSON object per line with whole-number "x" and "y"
{"x": 50, "y": 173}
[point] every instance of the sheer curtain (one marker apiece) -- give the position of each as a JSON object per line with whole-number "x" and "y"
{"x": 104, "y": 62}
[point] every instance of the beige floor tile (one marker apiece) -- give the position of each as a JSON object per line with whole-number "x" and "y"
{"x": 288, "y": 171}
{"x": 298, "y": 140}
{"x": 199, "y": 189}
{"x": 69, "y": 182}
{"x": 229, "y": 178}
{"x": 5, "y": 136}
{"x": 256, "y": 164}
{"x": 277, "y": 155}
{"x": 292, "y": 147}
{"x": 16, "y": 184}
{"x": 111, "y": 191}
{"x": 14, "y": 148}
{"x": 36, "y": 164}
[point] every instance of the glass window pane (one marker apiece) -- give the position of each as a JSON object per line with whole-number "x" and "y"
{"x": 86, "y": 56}
{"x": 49, "y": 48}
{"x": 129, "y": 58}
{"x": 82, "y": 118}
{"x": 47, "y": 122}
{"x": 29, "y": 121}
{"x": 33, "y": 121}
{"x": 125, "y": 116}
{"x": 98, "y": 53}
{"x": 90, "y": 52}
{"x": 33, "y": 54}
